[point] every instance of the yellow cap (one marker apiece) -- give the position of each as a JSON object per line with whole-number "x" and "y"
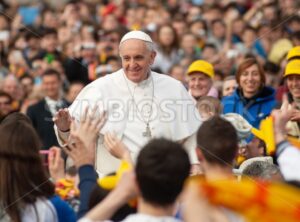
{"x": 292, "y": 68}
{"x": 294, "y": 52}
{"x": 201, "y": 66}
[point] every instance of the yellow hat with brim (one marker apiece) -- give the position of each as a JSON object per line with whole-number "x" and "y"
{"x": 294, "y": 52}
{"x": 203, "y": 67}
{"x": 292, "y": 68}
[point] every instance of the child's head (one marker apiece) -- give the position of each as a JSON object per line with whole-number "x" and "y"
{"x": 209, "y": 106}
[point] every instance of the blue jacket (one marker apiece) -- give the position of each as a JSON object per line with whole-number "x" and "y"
{"x": 64, "y": 212}
{"x": 254, "y": 109}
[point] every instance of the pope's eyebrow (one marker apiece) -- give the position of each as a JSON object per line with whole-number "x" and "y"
{"x": 138, "y": 56}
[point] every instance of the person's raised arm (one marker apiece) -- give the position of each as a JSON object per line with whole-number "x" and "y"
{"x": 288, "y": 156}
{"x": 56, "y": 164}
{"x": 62, "y": 123}
{"x": 125, "y": 190}
{"x": 81, "y": 149}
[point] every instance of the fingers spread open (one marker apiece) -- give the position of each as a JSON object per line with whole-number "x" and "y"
{"x": 84, "y": 115}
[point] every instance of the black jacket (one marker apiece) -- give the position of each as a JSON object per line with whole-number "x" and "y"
{"x": 41, "y": 118}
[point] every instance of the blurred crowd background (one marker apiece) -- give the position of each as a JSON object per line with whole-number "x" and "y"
{"x": 79, "y": 39}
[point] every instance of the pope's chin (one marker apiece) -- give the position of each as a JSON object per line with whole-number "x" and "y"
{"x": 135, "y": 76}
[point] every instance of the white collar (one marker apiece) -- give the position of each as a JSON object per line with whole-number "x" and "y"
{"x": 142, "y": 84}
{"x": 48, "y": 99}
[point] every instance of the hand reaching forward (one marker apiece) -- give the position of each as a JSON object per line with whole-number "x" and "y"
{"x": 62, "y": 120}
{"x": 116, "y": 147}
{"x": 56, "y": 163}
{"x": 79, "y": 153}
{"x": 89, "y": 127}
{"x": 281, "y": 117}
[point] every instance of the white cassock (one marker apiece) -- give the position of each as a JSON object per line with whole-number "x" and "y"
{"x": 160, "y": 101}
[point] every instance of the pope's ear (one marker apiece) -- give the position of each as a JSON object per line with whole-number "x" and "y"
{"x": 152, "y": 56}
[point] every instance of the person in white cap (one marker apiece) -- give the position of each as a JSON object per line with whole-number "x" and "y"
{"x": 140, "y": 105}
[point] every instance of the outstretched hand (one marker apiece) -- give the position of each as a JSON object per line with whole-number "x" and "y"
{"x": 89, "y": 127}
{"x": 81, "y": 146}
{"x": 116, "y": 147}
{"x": 62, "y": 119}
{"x": 280, "y": 118}
{"x": 79, "y": 153}
{"x": 56, "y": 164}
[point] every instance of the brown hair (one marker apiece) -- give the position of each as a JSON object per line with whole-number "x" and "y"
{"x": 174, "y": 45}
{"x": 217, "y": 140}
{"x": 23, "y": 178}
{"x": 245, "y": 64}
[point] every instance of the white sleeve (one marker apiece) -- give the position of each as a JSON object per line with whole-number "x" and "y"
{"x": 289, "y": 161}
{"x": 190, "y": 146}
{"x": 62, "y": 137}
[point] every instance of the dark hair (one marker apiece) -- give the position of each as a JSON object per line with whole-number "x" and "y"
{"x": 174, "y": 44}
{"x": 49, "y": 31}
{"x": 245, "y": 64}
{"x": 295, "y": 35}
{"x": 16, "y": 117}
{"x": 112, "y": 58}
{"x": 271, "y": 67}
{"x": 204, "y": 23}
{"x": 161, "y": 169}
{"x": 27, "y": 76}
{"x": 51, "y": 72}
{"x": 22, "y": 174}
{"x": 31, "y": 33}
{"x": 217, "y": 140}
{"x": 295, "y": 18}
{"x": 248, "y": 27}
{"x": 98, "y": 194}
{"x": 209, "y": 45}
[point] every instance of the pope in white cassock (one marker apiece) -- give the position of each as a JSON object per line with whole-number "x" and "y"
{"x": 140, "y": 105}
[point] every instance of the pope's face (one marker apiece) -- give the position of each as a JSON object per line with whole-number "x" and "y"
{"x": 136, "y": 59}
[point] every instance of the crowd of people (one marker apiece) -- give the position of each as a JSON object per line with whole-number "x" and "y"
{"x": 132, "y": 110}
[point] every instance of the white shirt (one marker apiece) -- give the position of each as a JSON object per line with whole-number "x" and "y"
{"x": 41, "y": 210}
{"x": 289, "y": 161}
{"x": 174, "y": 114}
{"x": 148, "y": 218}
{"x": 138, "y": 217}
{"x": 53, "y": 105}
